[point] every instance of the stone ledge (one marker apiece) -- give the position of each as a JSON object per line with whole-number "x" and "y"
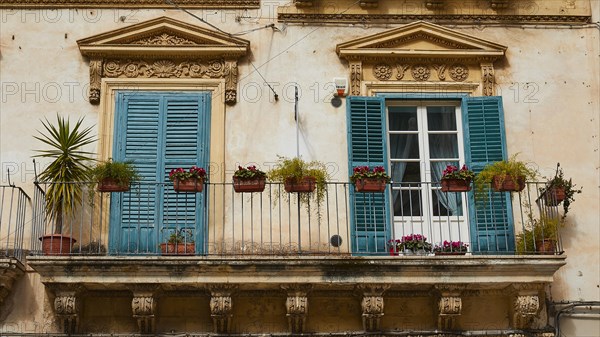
{"x": 254, "y": 273}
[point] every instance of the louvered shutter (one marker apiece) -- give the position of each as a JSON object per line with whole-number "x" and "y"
{"x": 492, "y": 227}
{"x": 367, "y": 147}
{"x": 158, "y": 132}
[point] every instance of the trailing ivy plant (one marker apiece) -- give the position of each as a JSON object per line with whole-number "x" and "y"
{"x": 295, "y": 169}
{"x": 510, "y": 167}
{"x": 123, "y": 173}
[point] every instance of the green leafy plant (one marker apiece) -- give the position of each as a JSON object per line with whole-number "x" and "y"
{"x": 559, "y": 181}
{"x": 69, "y": 168}
{"x": 451, "y": 247}
{"x": 250, "y": 172}
{"x": 452, "y": 172}
{"x": 364, "y": 172}
{"x": 536, "y": 230}
{"x": 295, "y": 169}
{"x": 123, "y": 173}
{"x": 510, "y": 167}
{"x": 181, "y": 236}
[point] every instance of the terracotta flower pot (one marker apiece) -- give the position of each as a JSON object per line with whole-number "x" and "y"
{"x": 306, "y": 184}
{"x": 456, "y": 185}
{"x": 450, "y": 253}
{"x": 508, "y": 184}
{"x": 369, "y": 185}
{"x": 248, "y": 185}
{"x": 178, "y": 248}
{"x": 191, "y": 185}
{"x": 546, "y": 246}
{"x": 555, "y": 196}
{"x": 57, "y": 244}
{"x": 111, "y": 185}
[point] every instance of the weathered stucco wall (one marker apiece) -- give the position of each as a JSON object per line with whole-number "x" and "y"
{"x": 548, "y": 80}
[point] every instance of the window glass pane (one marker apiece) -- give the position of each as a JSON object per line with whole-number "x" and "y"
{"x": 443, "y": 146}
{"x": 404, "y": 146}
{"x": 446, "y": 203}
{"x": 441, "y": 118}
{"x": 406, "y": 172}
{"x": 402, "y": 118}
{"x": 407, "y": 203}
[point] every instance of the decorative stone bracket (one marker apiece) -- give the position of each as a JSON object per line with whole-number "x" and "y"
{"x": 372, "y": 305}
{"x": 449, "y": 305}
{"x": 221, "y": 306}
{"x": 66, "y": 308}
{"x": 143, "y": 306}
{"x": 297, "y": 306}
{"x": 525, "y": 304}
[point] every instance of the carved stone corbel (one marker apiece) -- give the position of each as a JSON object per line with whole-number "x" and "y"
{"x": 221, "y": 306}
{"x": 372, "y": 305}
{"x": 95, "y": 80}
{"x": 525, "y": 304}
{"x": 355, "y": 77}
{"x": 449, "y": 305}
{"x": 488, "y": 79}
{"x": 231, "y": 81}
{"x": 66, "y": 308}
{"x": 297, "y": 306}
{"x": 143, "y": 306}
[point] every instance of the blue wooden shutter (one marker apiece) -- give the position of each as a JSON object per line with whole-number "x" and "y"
{"x": 137, "y": 138}
{"x": 492, "y": 227}
{"x": 186, "y": 144}
{"x": 367, "y": 147}
{"x": 158, "y": 132}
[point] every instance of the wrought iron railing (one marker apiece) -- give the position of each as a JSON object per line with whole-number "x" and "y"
{"x": 219, "y": 221}
{"x": 13, "y": 209}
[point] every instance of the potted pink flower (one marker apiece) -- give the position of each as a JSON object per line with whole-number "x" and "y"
{"x": 249, "y": 179}
{"x": 451, "y": 248}
{"x": 415, "y": 244}
{"x": 369, "y": 180}
{"x": 455, "y": 180}
{"x": 191, "y": 180}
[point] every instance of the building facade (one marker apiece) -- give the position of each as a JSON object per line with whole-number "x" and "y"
{"x": 411, "y": 86}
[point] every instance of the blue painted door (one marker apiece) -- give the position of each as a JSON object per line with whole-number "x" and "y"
{"x": 158, "y": 131}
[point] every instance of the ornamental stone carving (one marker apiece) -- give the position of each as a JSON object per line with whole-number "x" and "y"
{"x": 221, "y": 305}
{"x": 420, "y": 72}
{"x": 458, "y": 72}
{"x": 170, "y": 53}
{"x": 382, "y": 72}
{"x": 372, "y": 305}
{"x": 296, "y": 304}
{"x": 143, "y": 306}
{"x": 525, "y": 309}
{"x": 165, "y": 39}
{"x": 66, "y": 308}
{"x": 449, "y": 308}
{"x": 402, "y": 68}
{"x": 441, "y": 71}
{"x": 355, "y": 78}
{"x": 488, "y": 79}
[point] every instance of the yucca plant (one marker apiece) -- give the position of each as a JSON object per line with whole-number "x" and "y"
{"x": 69, "y": 168}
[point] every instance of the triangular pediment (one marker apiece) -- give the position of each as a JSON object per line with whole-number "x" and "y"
{"x": 163, "y": 37}
{"x": 420, "y": 39}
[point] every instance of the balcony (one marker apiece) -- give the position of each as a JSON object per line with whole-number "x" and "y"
{"x": 244, "y": 243}
{"x": 13, "y": 205}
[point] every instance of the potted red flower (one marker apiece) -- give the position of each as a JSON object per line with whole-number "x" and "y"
{"x": 188, "y": 181}
{"x": 180, "y": 242}
{"x": 367, "y": 180}
{"x": 455, "y": 180}
{"x": 451, "y": 248}
{"x": 249, "y": 179}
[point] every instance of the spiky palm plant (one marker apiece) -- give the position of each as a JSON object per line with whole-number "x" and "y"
{"x": 68, "y": 169}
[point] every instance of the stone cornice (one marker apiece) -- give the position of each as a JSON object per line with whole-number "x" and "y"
{"x": 41, "y": 4}
{"x": 117, "y": 273}
{"x": 308, "y": 18}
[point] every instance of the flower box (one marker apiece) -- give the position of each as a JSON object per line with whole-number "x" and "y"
{"x": 370, "y": 185}
{"x": 306, "y": 184}
{"x": 111, "y": 185}
{"x": 450, "y": 253}
{"x": 546, "y": 246}
{"x": 190, "y": 185}
{"x": 178, "y": 248}
{"x": 456, "y": 185}
{"x": 248, "y": 185}
{"x": 555, "y": 196}
{"x": 506, "y": 183}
